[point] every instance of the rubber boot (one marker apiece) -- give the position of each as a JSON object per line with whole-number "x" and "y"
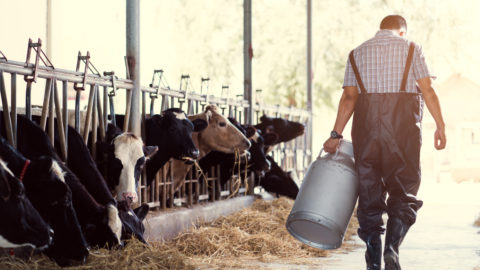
{"x": 373, "y": 255}
{"x": 396, "y": 231}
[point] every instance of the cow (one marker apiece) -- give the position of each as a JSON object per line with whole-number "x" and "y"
{"x": 122, "y": 156}
{"x": 82, "y": 164}
{"x": 171, "y": 131}
{"x": 285, "y": 129}
{"x": 21, "y": 223}
{"x": 46, "y": 189}
{"x": 257, "y": 161}
{"x": 132, "y": 220}
{"x": 278, "y": 181}
{"x": 219, "y": 135}
{"x": 100, "y": 224}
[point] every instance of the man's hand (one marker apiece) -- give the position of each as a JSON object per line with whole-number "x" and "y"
{"x": 331, "y": 145}
{"x": 440, "y": 140}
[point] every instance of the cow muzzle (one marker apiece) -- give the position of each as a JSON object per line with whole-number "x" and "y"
{"x": 129, "y": 197}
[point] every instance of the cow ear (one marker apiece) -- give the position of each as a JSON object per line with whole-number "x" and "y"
{"x": 157, "y": 118}
{"x": 149, "y": 151}
{"x": 142, "y": 211}
{"x": 112, "y": 132}
{"x": 264, "y": 118}
{"x": 270, "y": 138}
{"x": 199, "y": 125}
{"x": 208, "y": 115}
{"x": 250, "y": 131}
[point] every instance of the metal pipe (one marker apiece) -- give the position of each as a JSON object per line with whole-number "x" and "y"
{"x": 247, "y": 59}
{"x": 101, "y": 115}
{"x": 51, "y": 108}
{"x": 105, "y": 108}
{"x": 309, "y": 76}
{"x": 88, "y": 118}
{"x": 60, "y": 124}
{"x": 13, "y": 109}
{"x": 77, "y": 110}
{"x": 6, "y": 115}
{"x": 133, "y": 59}
{"x": 49, "y": 29}
{"x": 94, "y": 123}
{"x": 65, "y": 114}
{"x": 28, "y": 100}
{"x": 46, "y": 101}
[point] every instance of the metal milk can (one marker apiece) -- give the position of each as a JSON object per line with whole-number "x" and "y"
{"x": 325, "y": 202}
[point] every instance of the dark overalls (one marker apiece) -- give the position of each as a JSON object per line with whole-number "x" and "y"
{"x": 386, "y": 136}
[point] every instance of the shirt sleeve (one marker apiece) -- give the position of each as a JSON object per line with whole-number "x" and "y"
{"x": 420, "y": 68}
{"x": 349, "y": 79}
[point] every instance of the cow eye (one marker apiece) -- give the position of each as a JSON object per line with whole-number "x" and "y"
{"x": 222, "y": 124}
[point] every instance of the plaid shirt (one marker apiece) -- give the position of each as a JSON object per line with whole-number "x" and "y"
{"x": 381, "y": 63}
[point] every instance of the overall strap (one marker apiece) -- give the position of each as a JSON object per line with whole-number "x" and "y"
{"x": 357, "y": 74}
{"x": 407, "y": 67}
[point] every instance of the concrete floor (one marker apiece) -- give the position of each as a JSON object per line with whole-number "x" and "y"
{"x": 443, "y": 237}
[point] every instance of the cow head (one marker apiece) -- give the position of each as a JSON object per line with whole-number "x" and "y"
{"x": 258, "y": 161}
{"x": 172, "y": 132}
{"x": 107, "y": 229}
{"x": 48, "y": 192}
{"x": 220, "y": 135}
{"x": 285, "y": 129}
{"x": 22, "y": 225}
{"x": 280, "y": 182}
{"x": 126, "y": 158}
{"x": 132, "y": 221}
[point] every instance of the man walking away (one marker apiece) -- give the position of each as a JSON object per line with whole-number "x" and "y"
{"x": 386, "y": 83}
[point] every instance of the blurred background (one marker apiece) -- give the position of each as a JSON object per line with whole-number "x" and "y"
{"x": 205, "y": 39}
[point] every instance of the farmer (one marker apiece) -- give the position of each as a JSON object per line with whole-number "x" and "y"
{"x": 386, "y": 81}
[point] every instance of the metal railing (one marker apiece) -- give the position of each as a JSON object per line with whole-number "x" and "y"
{"x": 103, "y": 95}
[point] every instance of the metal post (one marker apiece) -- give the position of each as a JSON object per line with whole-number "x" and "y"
{"x": 309, "y": 75}
{"x": 49, "y": 29}
{"x": 133, "y": 59}
{"x": 247, "y": 59}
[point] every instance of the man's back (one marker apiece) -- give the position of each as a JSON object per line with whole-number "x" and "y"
{"x": 381, "y": 63}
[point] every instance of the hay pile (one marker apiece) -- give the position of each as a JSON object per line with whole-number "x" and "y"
{"x": 135, "y": 255}
{"x": 255, "y": 234}
{"x": 258, "y": 232}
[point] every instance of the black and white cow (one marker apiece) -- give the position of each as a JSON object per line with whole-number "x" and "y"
{"x": 123, "y": 157}
{"x": 279, "y": 182}
{"x": 132, "y": 220}
{"x": 46, "y": 189}
{"x": 82, "y": 164}
{"x": 285, "y": 129}
{"x": 101, "y": 224}
{"x": 21, "y": 224}
{"x": 171, "y": 131}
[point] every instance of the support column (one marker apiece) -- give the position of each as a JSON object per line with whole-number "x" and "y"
{"x": 49, "y": 29}
{"x": 247, "y": 60}
{"x": 133, "y": 60}
{"x": 309, "y": 75}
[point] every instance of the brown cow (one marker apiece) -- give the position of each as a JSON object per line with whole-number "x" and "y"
{"x": 220, "y": 135}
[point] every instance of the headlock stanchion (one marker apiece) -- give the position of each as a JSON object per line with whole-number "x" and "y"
{"x": 294, "y": 155}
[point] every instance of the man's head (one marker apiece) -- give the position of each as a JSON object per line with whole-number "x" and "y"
{"x": 394, "y": 23}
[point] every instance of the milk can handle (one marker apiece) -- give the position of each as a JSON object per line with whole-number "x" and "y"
{"x": 334, "y": 157}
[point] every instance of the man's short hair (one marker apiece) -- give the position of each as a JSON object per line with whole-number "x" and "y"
{"x": 393, "y": 22}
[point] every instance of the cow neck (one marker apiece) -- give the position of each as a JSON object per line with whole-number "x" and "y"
{"x": 202, "y": 149}
{"x": 24, "y": 169}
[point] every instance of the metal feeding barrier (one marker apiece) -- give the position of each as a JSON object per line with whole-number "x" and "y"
{"x": 100, "y": 110}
